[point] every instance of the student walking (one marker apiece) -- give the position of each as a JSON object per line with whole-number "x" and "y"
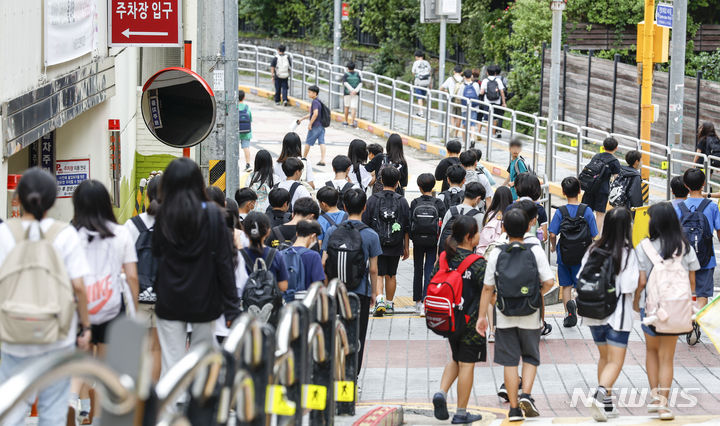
{"x": 467, "y": 346}
{"x": 394, "y": 157}
{"x": 358, "y": 154}
{"x": 328, "y": 197}
{"x": 454, "y": 195}
{"x": 426, "y": 212}
{"x": 262, "y": 179}
{"x": 316, "y": 129}
{"x": 454, "y": 85}
{"x": 610, "y": 267}
{"x": 575, "y": 224}
{"x": 471, "y": 98}
{"x": 520, "y": 300}
{"x": 304, "y": 265}
{"x": 472, "y": 205}
{"x": 453, "y": 148}
{"x": 283, "y": 236}
{"x": 293, "y": 170}
{"x": 422, "y": 71}
{"x": 669, "y": 254}
{"x": 492, "y": 91}
{"x": 352, "y": 84}
{"x": 679, "y": 190}
{"x": 244, "y": 127}
{"x": 280, "y": 70}
{"x": 245, "y": 202}
{"x": 341, "y": 165}
{"x": 469, "y": 161}
{"x": 291, "y": 148}
{"x": 708, "y": 143}
{"x": 34, "y": 237}
{"x": 277, "y": 211}
{"x": 527, "y": 186}
{"x": 195, "y": 251}
{"x": 388, "y": 213}
{"x": 626, "y": 188}
{"x": 517, "y": 165}
{"x": 595, "y": 179}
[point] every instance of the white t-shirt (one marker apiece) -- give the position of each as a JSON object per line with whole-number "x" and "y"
{"x": 501, "y": 87}
{"x": 149, "y": 222}
{"x": 532, "y": 321}
{"x": 123, "y": 245}
{"x": 279, "y": 175}
{"x": 365, "y": 176}
{"x": 626, "y": 283}
{"x": 475, "y": 176}
{"x": 339, "y": 184}
{"x": 67, "y": 243}
{"x": 421, "y": 68}
{"x": 451, "y": 83}
{"x": 299, "y": 192}
{"x": 462, "y": 209}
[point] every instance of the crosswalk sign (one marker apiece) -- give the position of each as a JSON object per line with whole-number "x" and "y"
{"x": 314, "y": 397}
{"x": 276, "y": 401}
{"x": 344, "y": 391}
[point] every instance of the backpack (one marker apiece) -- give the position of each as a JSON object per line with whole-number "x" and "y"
{"x": 244, "y": 122}
{"x": 444, "y": 311}
{"x": 698, "y": 231}
{"x": 348, "y": 186}
{"x": 596, "y": 292}
{"x": 330, "y": 219}
{"x": 453, "y": 198}
{"x": 261, "y": 296}
{"x": 575, "y": 236}
{"x": 296, "y": 271}
{"x": 277, "y": 234}
{"x": 492, "y": 90}
{"x": 37, "y": 301}
{"x": 292, "y": 190}
{"x": 669, "y": 306}
{"x": 103, "y": 284}
{"x": 489, "y": 234}
{"x": 147, "y": 264}
{"x": 712, "y": 145}
{"x": 593, "y": 173}
{"x": 345, "y": 258}
{"x": 457, "y": 91}
{"x": 387, "y": 220}
{"x": 425, "y": 224}
{"x": 517, "y": 167}
{"x": 282, "y": 67}
{"x": 620, "y": 189}
{"x": 447, "y": 227}
{"x": 517, "y": 280}
{"x": 469, "y": 93}
{"x": 378, "y": 185}
{"x": 325, "y": 115}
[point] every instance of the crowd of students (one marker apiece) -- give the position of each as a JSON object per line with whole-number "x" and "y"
{"x": 283, "y": 231}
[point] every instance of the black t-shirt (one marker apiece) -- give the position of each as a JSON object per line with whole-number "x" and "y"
{"x": 377, "y": 161}
{"x": 441, "y": 170}
{"x": 278, "y": 217}
{"x": 288, "y": 234}
{"x": 613, "y": 169}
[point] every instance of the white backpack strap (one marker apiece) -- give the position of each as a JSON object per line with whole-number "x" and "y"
{"x": 16, "y": 229}
{"x": 651, "y": 252}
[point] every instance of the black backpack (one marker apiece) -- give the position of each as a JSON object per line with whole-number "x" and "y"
{"x": 378, "y": 185}
{"x": 698, "y": 231}
{"x": 712, "y": 146}
{"x": 261, "y": 296}
{"x": 620, "y": 189}
{"x": 424, "y": 223}
{"x": 593, "y": 173}
{"x": 596, "y": 292}
{"x": 345, "y": 257}
{"x": 447, "y": 227}
{"x": 575, "y": 236}
{"x": 453, "y": 198}
{"x": 147, "y": 264}
{"x": 517, "y": 281}
{"x": 348, "y": 186}
{"x": 325, "y": 115}
{"x": 386, "y": 221}
{"x": 492, "y": 90}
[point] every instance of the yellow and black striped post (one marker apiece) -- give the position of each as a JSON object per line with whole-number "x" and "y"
{"x": 216, "y": 173}
{"x": 645, "y": 191}
{"x": 140, "y": 198}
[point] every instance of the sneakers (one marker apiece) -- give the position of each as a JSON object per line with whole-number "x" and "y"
{"x": 491, "y": 338}
{"x": 84, "y": 418}
{"x": 502, "y": 392}
{"x": 440, "y": 407}
{"x": 597, "y": 406}
{"x": 420, "y": 309}
{"x": 345, "y": 123}
{"x": 665, "y": 413}
{"x": 322, "y": 163}
{"x": 462, "y": 419}
{"x": 389, "y": 308}
{"x": 515, "y": 415}
{"x": 654, "y": 405}
{"x": 286, "y": 103}
{"x": 693, "y": 337}
{"x": 379, "y": 307}
{"x": 610, "y": 410}
{"x": 527, "y": 404}
{"x": 248, "y": 167}
{"x": 571, "y": 318}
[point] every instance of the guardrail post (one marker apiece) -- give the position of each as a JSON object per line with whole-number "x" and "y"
{"x": 707, "y": 174}
{"x": 513, "y": 125}
{"x": 410, "y": 107}
{"x": 669, "y": 174}
{"x": 428, "y": 110}
{"x": 257, "y": 67}
{"x": 392, "y": 106}
{"x": 304, "y": 82}
{"x": 448, "y": 108}
{"x": 375, "y": 100}
{"x": 536, "y": 136}
{"x": 317, "y": 73}
{"x": 578, "y": 161}
{"x": 330, "y": 88}
{"x": 291, "y": 82}
{"x": 490, "y": 116}
{"x": 360, "y": 103}
{"x": 468, "y": 110}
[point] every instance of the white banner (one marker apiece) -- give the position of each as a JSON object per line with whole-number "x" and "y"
{"x": 69, "y": 29}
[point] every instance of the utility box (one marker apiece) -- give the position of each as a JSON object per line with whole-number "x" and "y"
{"x": 661, "y": 43}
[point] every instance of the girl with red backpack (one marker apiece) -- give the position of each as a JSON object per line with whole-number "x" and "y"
{"x": 467, "y": 346}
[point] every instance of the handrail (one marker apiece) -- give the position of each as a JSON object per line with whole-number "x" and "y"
{"x": 47, "y": 370}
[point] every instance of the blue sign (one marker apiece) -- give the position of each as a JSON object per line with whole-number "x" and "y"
{"x": 664, "y": 15}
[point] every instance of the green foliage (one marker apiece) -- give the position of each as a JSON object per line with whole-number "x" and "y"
{"x": 615, "y": 13}
{"x": 707, "y": 62}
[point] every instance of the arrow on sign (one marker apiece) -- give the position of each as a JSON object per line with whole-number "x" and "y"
{"x": 127, "y": 33}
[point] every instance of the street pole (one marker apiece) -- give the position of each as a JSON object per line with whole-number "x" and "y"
{"x": 443, "y": 42}
{"x": 232, "y": 142}
{"x": 554, "y": 93}
{"x": 646, "y": 115}
{"x": 677, "y": 73}
{"x": 337, "y": 37}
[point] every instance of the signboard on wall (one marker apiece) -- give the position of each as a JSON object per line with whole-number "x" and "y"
{"x": 42, "y": 153}
{"x": 69, "y": 174}
{"x": 69, "y": 29}
{"x": 150, "y": 23}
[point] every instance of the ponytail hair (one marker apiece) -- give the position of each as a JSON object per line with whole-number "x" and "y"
{"x": 256, "y": 225}
{"x": 37, "y": 190}
{"x": 463, "y": 227}
{"x": 152, "y": 194}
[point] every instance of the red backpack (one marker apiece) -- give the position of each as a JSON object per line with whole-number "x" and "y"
{"x": 444, "y": 313}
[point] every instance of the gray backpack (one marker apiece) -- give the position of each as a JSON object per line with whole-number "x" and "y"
{"x": 37, "y": 301}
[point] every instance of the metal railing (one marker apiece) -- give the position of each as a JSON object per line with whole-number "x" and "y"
{"x": 392, "y": 103}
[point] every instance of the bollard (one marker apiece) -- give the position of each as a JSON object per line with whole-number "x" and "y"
{"x": 350, "y": 318}
{"x": 323, "y": 313}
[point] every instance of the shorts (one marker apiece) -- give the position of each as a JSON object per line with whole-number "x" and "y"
{"x": 606, "y": 335}
{"x": 467, "y": 352}
{"x": 596, "y": 202}
{"x": 567, "y": 275}
{"x": 473, "y": 118}
{"x": 458, "y": 111}
{"x": 146, "y": 315}
{"x": 420, "y": 93}
{"x": 387, "y": 265}
{"x": 244, "y": 143}
{"x": 650, "y": 329}
{"x": 316, "y": 134}
{"x": 704, "y": 286}
{"x": 99, "y": 331}
{"x": 511, "y": 344}
{"x": 351, "y": 101}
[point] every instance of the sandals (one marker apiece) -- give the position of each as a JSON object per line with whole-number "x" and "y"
{"x": 664, "y": 413}
{"x": 654, "y": 405}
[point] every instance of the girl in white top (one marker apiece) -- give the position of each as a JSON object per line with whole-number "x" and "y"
{"x": 358, "y": 153}
{"x": 263, "y": 179}
{"x": 291, "y": 147}
{"x": 611, "y": 333}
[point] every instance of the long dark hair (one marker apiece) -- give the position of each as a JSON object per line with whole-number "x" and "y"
{"x": 233, "y": 214}
{"x": 357, "y": 152}
{"x": 707, "y": 129}
{"x": 394, "y": 149}
{"x": 152, "y": 190}
{"x": 93, "y": 208}
{"x": 500, "y": 201}
{"x": 291, "y": 147}
{"x": 664, "y": 225}
{"x": 37, "y": 191}
{"x": 616, "y": 236}
{"x": 463, "y": 227}
{"x": 256, "y": 225}
{"x": 182, "y": 191}
{"x": 263, "y": 172}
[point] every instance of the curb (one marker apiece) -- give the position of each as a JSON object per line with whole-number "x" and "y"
{"x": 381, "y": 416}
